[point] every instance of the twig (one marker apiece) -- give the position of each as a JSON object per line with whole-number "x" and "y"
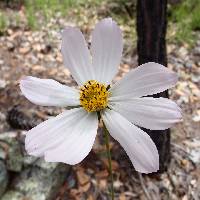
{"x": 179, "y": 147}
{"x": 144, "y": 187}
{"x": 109, "y": 160}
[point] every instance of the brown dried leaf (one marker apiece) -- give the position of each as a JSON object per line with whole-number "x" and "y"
{"x": 122, "y": 197}
{"x": 83, "y": 178}
{"x": 85, "y": 188}
{"x": 102, "y": 174}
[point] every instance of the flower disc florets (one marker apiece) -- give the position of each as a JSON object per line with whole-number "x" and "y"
{"x": 93, "y": 96}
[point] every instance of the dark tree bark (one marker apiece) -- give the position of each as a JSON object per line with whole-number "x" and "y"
{"x": 151, "y": 46}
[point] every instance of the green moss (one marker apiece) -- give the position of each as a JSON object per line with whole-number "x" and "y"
{"x": 195, "y": 18}
{"x": 47, "y": 9}
{"x": 31, "y": 18}
{"x": 3, "y": 23}
{"x": 185, "y": 17}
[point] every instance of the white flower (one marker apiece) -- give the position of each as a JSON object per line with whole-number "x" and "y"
{"x": 69, "y": 136}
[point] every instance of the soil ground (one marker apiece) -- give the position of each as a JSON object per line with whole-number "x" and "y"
{"x": 37, "y": 53}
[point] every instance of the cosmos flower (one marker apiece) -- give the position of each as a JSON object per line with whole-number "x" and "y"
{"x": 69, "y": 137}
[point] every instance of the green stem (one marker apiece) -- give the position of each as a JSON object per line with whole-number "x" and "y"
{"x": 107, "y": 141}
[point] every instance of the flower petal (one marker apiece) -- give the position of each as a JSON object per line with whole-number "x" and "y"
{"x": 137, "y": 144}
{"x": 48, "y": 92}
{"x": 76, "y": 55}
{"x": 77, "y": 144}
{"x": 147, "y": 79}
{"x": 148, "y": 112}
{"x": 106, "y": 49}
{"x": 52, "y": 132}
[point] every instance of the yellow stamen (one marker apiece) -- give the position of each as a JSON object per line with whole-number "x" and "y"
{"x": 93, "y": 96}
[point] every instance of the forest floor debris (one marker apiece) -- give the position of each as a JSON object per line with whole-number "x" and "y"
{"x": 37, "y": 53}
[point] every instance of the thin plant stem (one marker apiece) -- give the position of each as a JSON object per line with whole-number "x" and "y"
{"x": 107, "y": 142}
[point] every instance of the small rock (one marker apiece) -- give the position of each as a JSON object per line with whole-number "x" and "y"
{"x": 33, "y": 59}
{"x": 102, "y": 184}
{"x": 40, "y": 56}
{"x": 71, "y": 181}
{"x": 29, "y": 160}
{"x": 8, "y": 136}
{"x": 41, "y": 163}
{"x": 195, "y": 78}
{"x": 194, "y": 88}
{"x": 10, "y": 31}
{"x": 46, "y": 49}
{"x": 122, "y": 197}
{"x": 2, "y": 153}
{"x": 189, "y": 64}
{"x": 83, "y": 178}
{"x": 183, "y": 52}
{"x": 1, "y": 62}
{"x": 2, "y": 117}
{"x": 14, "y": 158}
{"x": 117, "y": 184}
{"x": 2, "y": 84}
{"x": 193, "y": 182}
{"x": 24, "y": 50}
{"x": 41, "y": 184}
{"x": 196, "y": 117}
{"x": 3, "y": 178}
{"x": 193, "y": 149}
{"x": 59, "y": 57}
{"x": 37, "y": 47}
{"x": 197, "y": 51}
{"x": 10, "y": 46}
{"x": 183, "y": 99}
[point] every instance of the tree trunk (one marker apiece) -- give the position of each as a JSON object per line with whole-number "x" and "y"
{"x": 151, "y": 46}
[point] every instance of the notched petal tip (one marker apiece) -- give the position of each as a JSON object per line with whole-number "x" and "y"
{"x": 106, "y": 49}
{"x": 109, "y": 24}
{"x": 47, "y": 158}
{"x": 152, "y": 165}
{"x": 76, "y": 56}
{"x": 167, "y": 70}
{"x": 30, "y": 149}
{"x": 22, "y": 84}
{"x": 107, "y": 20}
{"x": 24, "y": 81}
{"x": 149, "y": 171}
{"x": 173, "y": 77}
{"x": 179, "y": 113}
{"x": 147, "y": 79}
{"x": 69, "y": 30}
{"x": 27, "y": 78}
{"x": 138, "y": 145}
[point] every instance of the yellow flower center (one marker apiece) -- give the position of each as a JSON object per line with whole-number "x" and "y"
{"x": 93, "y": 96}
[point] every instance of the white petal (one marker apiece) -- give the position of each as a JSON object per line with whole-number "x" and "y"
{"x": 76, "y": 55}
{"x": 77, "y": 144}
{"x": 137, "y": 144}
{"x": 48, "y": 92}
{"x": 52, "y": 133}
{"x": 106, "y": 49}
{"x": 148, "y": 112}
{"x": 147, "y": 79}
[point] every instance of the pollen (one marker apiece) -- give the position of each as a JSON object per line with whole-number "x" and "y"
{"x": 93, "y": 96}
